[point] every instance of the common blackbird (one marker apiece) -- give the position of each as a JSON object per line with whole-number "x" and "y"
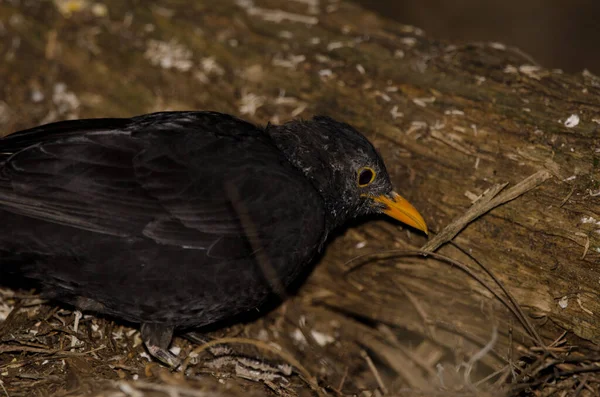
{"x": 181, "y": 219}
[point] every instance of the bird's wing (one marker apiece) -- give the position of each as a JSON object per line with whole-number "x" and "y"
{"x": 84, "y": 180}
{"x": 224, "y": 187}
{"x": 205, "y": 182}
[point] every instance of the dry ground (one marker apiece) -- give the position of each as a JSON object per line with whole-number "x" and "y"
{"x": 513, "y": 314}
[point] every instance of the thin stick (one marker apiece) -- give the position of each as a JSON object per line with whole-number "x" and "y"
{"x": 492, "y": 375}
{"x": 391, "y": 337}
{"x": 479, "y": 355}
{"x": 342, "y": 381}
{"x": 522, "y": 317}
{"x": 304, "y": 374}
{"x": 428, "y": 326}
{"x": 133, "y": 389}
{"x": 568, "y": 197}
{"x": 488, "y": 202}
{"x": 479, "y": 208}
{"x": 4, "y": 389}
{"x": 375, "y": 372}
{"x": 451, "y": 261}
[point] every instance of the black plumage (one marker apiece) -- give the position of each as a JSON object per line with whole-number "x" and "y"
{"x": 180, "y": 219}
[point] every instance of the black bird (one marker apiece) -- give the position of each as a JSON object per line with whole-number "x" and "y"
{"x": 181, "y": 219}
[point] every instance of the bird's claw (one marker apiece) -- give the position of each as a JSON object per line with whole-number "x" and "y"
{"x": 164, "y": 356}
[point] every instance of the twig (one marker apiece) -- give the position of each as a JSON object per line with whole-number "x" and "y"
{"x": 391, "y": 337}
{"x": 555, "y": 376}
{"x": 511, "y": 351}
{"x": 559, "y": 340}
{"x": 395, "y": 359}
{"x": 521, "y": 315}
{"x": 390, "y": 354}
{"x": 375, "y": 372}
{"x": 26, "y": 349}
{"x": 502, "y": 370}
{"x": 133, "y": 389}
{"x": 488, "y": 202}
{"x": 78, "y": 316}
{"x": 308, "y": 378}
{"x": 343, "y": 380}
{"x": 4, "y": 389}
{"x": 430, "y": 330}
{"x": 479, "y": 355}
{"x": 479, "y": 208}
{"x": 586, "y": 245}
{"x": 567, "y": 197}
{"x": 515, "y": 309}
{"x": 582, "y": 384}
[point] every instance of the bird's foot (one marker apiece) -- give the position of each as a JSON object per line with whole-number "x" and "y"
{"x": 164, "y": 356}
{"x": 157, "y": 338}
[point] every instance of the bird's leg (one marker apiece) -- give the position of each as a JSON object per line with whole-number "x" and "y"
{"x": 157, "y": 338}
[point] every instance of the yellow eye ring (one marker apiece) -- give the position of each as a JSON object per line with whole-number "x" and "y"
{"x": 365, "y": 176}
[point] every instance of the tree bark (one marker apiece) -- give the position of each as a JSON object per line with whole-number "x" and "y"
{"x": 451, "y": 121}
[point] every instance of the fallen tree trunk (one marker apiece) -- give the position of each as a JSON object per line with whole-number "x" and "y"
{"x": 452, "y": 122}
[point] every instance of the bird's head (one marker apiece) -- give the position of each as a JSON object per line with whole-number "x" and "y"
{"x": 345, "y": 168}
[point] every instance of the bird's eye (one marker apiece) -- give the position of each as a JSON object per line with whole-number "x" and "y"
{"x": 366, "y": 175}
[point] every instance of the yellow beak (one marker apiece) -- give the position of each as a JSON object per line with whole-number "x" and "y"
{"x": 401, "y": 210}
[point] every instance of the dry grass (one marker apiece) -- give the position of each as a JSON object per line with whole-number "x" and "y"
{"x": 299, "y": 349}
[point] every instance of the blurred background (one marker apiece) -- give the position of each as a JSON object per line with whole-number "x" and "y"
{"x": 562, "y": 34}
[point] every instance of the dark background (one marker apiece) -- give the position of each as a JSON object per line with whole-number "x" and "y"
{"x": 556, "y": 33}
